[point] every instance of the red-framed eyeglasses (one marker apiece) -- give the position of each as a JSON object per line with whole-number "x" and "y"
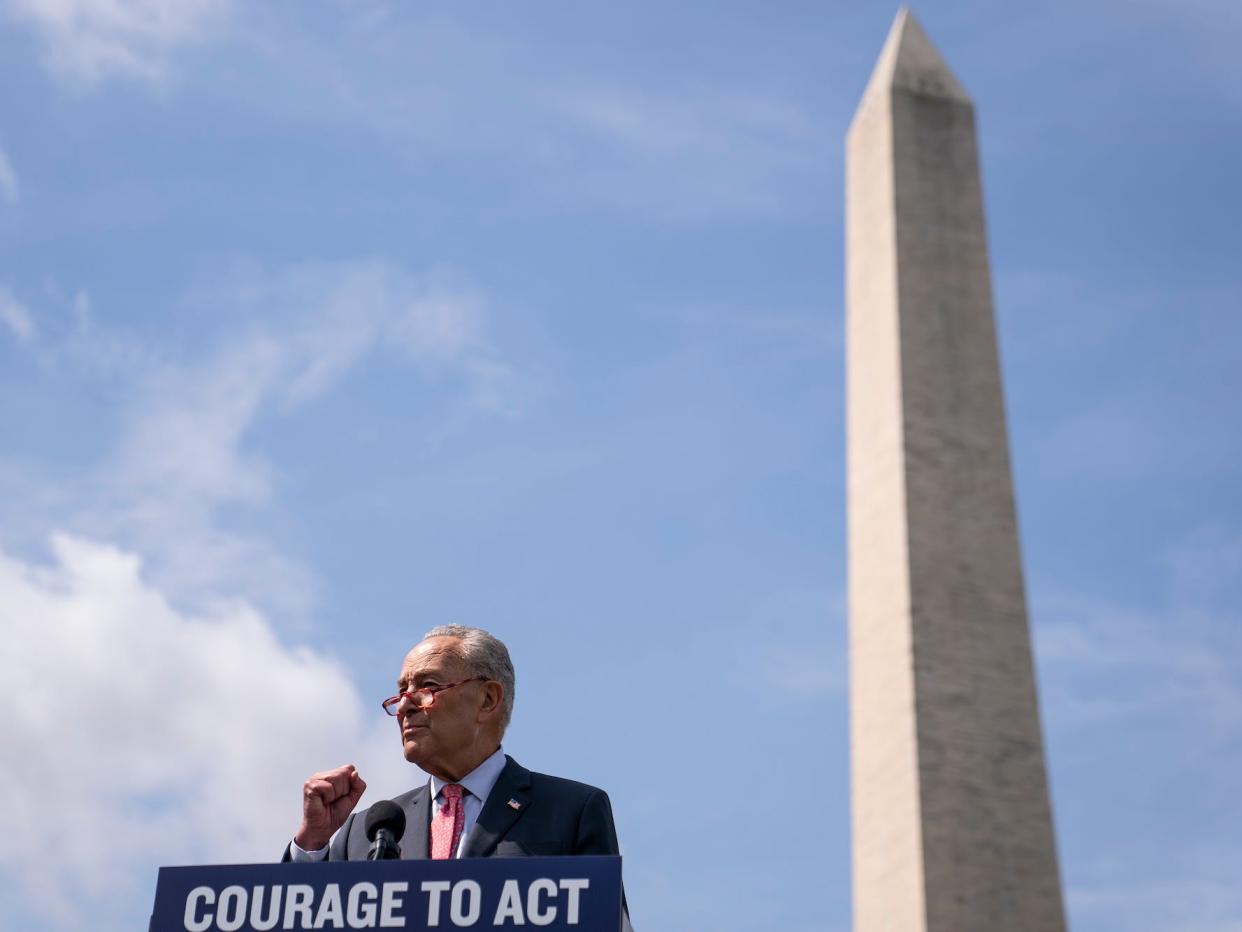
{"x": 423, "y": 698}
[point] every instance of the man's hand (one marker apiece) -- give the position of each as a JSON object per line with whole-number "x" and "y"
{"x": 327, "y": 800}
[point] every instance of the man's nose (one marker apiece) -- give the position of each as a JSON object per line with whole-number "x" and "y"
{"x": 406, "y": 706}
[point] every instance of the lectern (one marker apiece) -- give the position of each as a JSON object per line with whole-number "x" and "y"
{"x": 553, "y": 894}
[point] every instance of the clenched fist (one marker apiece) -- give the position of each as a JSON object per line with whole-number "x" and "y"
{"x": 327, "y": 800}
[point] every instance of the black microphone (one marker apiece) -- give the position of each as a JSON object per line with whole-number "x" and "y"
{"x": 385, "y": 826}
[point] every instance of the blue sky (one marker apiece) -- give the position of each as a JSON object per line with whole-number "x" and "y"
{"x": 321, "y": 326}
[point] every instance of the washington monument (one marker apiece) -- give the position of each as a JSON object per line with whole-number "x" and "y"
{"x": 952, "y": 825}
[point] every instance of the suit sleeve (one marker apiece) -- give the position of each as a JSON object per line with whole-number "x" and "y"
{"x": 596, "y": 832}
{"x": 598, "y": 835}
{"x": 338, "y": 849}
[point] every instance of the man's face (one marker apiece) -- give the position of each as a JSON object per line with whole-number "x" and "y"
{"x": 448, "y": 736}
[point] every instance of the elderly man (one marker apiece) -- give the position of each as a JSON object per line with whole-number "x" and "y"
{"x": 454, "y": 699}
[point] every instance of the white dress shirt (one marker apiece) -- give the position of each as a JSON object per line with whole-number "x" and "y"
{"x": 478, "y": 785}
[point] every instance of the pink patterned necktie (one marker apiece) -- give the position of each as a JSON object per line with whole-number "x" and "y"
{"x": 447, "y": 822}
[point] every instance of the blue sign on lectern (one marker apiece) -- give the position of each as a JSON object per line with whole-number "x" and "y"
{"x": 553, "y": 894}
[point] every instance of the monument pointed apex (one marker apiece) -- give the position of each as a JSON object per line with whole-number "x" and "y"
{"x": 909, "y": 62}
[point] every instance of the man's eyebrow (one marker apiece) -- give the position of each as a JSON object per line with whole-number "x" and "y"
{"x": 406, "y": 678}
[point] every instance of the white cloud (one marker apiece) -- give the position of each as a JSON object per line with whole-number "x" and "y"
{"x": 803, "y": 650}
{"x": 185, "y": 434}
{"x": 1144, "y": 705}
{"x": 686, "y": 152}
{"x": 668, "y": 122}
{"x": 90, "y": 40}
{"x": 570, "y": 131}
{"x": 148, "y": 736}
{"x": 76, "y": 345}
{"x": 339, "y": 313}
{"x": 150, "y": 704}
{"x": 804, "y": 670}
{"x": 1206, "y": 567}
{"x": 184, "y": 453}
{"x": 1211, "y": 903}
{"x": 8, "y": 179}
{"x": 439, "y": 326}
{"x": 1107, "y": 662}
{"x": 15, "y": 316}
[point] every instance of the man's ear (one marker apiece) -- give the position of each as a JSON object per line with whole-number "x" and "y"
{"x": 493, "y": 700}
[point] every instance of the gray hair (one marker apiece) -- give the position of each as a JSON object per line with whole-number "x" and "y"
{"x": 487, "y": 656}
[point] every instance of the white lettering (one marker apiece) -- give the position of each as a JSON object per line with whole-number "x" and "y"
{"x": 435, "y": 888}
{"x": 204, "y": 895}
{"x": 257, "y": 920}
{"x": 574, "y": 886}
{"x": 299, "y": 899}
{"x": 536, "y": 914}
{"x": 510, "y": 905}
{"x": 365, "y": 904}
{"x": 330, "y": 908}
{"x": 459, "y": 912}
{"x": 390, "y": 903}
{"x": 231, "y": 910}
{"x": 362, "y": 915}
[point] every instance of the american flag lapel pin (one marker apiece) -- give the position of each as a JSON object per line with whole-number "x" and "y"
{"x": 514, "y": 805}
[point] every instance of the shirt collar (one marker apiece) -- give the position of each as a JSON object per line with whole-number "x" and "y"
{"x": 478, "y": 781}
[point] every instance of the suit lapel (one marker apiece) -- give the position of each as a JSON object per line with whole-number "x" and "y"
{"x": 417, "y": 824}
{"x": 498, "y": 814}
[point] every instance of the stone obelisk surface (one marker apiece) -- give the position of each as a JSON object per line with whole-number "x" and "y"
{"x": 952, "y": 826}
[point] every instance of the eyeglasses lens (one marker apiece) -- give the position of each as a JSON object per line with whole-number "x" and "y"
{"x": 420, "y": 699}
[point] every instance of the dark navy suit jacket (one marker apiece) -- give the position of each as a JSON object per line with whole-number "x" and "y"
{"x": 553, "y": 816}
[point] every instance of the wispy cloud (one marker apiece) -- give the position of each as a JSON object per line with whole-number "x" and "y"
{"x": 149, "y": 698}
{"x": 1157, "y": 414}
{"x": 8, "y": 179}
{"x": 1107, "y": 661}
{"x": 807, "y": 670}
{"x": 687, "y": 152}
{"x": 15, "y": 316}
{"x": 1202, "y": 35}
{"x": 674, "y": 122}
{"x": 1207, "y": 900}
{"x": 183, "y": 453}
{"x": 140, "y": 654}
{"x": 88, "y": 41}
{"x": 803, "y": 650}
{"x": 159, "y": 736}
{"x": 570, "y": 130}
{"x": 1143, "y": 705}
